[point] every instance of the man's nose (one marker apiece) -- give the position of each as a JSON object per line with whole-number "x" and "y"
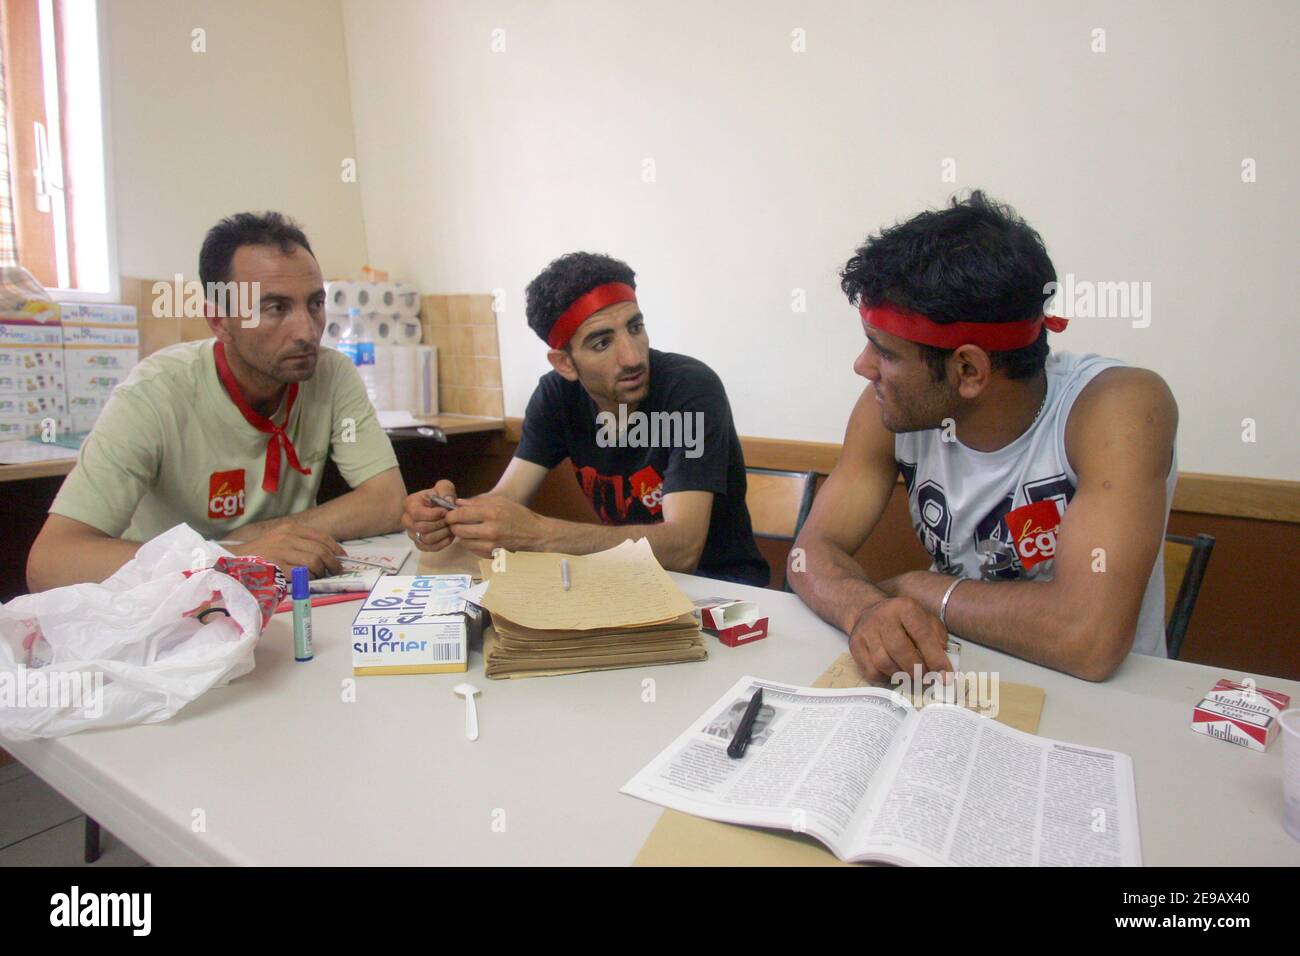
{"x": 866, "y": 366}
{"x": 626, "y": 352}
{"x": 304, "y": 325}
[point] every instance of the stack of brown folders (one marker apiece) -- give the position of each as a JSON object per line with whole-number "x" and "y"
{"x": 620, "y": 610}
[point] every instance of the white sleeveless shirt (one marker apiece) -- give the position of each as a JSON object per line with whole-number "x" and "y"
{"x": 993, "y": 515}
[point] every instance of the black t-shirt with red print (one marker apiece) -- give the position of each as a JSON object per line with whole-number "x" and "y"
{"x": 626, "y": 482}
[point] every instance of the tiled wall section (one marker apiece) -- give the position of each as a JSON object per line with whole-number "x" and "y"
{"x": 159, "y": 332}
{"x": 464, "y": 328}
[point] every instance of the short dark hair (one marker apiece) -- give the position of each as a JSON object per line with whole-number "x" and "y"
{"x": 245, "y": 229}
{"x": 565, "y": 280}
{"x": 974, "y": 261}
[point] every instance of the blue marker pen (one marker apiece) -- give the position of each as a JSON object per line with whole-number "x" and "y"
{"x": 301, "y": 616}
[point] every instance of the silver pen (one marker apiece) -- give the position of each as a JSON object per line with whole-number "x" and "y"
{"x": 369, "y": 564}
{"x": 564, "y": 573}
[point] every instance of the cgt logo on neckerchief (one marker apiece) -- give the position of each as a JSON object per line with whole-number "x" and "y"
{"x": 1033, "y": 531}
{"x": 649, "y": 488}
{"x": 226, "y": 494}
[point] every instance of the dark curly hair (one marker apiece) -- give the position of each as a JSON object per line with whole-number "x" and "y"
{"x": 564, "y": 280}
{"x": 974, "y": 261}
{"x": 245, "y": 229}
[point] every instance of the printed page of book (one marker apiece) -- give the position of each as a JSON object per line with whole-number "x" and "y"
{"x": 814, "y": 758}
{"x": 390, "y": 553}
{"x": 969, "y": 791}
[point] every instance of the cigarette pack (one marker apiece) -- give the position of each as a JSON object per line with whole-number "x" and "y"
{"x": 37, "y": 335}
{"x": 1236, "y": 725}
{"x": 16, "y": 382}
{"x": 88, "y": 313}
{"x": 1249, "y": 697}
{"x": 28, "y": 427}
{"x": 101, "y": 360}
{"x": 22, "y": 359}
{"x": 733, "y": 622}
{"x": 97, "y": 382}
{"x": 417, "y": 624}
{"x": 110, "y": 336}
{"x": 33, "y": 407}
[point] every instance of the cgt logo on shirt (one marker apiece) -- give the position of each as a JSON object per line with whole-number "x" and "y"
{"x": 1033, "y": 530}
{"x": 226, "y": 494}
{"x": 649, "y": 487}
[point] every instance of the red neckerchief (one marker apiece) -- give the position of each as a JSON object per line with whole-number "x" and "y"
{"x": 271, "y": 474}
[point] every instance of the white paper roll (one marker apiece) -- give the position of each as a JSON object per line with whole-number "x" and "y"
{"x": 415, "y": 379}
{"x": 334, "y": 326}
{"x": 379, "y": 377}
{"x": 341, "y": 296}
{"x": 410, "y": 330}
{"x": 408, "y": 299}
{"x": 383, "y": 297}
{"x": 383, "y": 328}
{"x": 424, "y": 360}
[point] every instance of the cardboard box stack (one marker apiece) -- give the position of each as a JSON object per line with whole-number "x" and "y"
{"x": 101, "y": 344}
{"x": 33, "y": 393}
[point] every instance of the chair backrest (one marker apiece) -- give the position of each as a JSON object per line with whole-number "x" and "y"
{"x": 779, "y": 502}
{"x": 1185, "y": 562}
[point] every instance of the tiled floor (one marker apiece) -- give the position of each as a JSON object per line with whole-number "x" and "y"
{"x": 40, "y": 828}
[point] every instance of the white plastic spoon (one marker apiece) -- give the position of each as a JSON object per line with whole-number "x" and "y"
{"x": 471, "y": 709}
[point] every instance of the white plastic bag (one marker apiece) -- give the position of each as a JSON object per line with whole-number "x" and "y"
{"x": 128, "y": 650}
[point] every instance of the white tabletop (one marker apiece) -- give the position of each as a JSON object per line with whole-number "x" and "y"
{"x": 277, "y": 768}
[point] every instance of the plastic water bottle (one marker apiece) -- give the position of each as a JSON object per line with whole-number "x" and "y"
{"x": 347, "y": 343}
{"x": 358, "y": 344}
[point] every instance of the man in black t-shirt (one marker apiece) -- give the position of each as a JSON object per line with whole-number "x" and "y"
{"x": 649, "y": 435}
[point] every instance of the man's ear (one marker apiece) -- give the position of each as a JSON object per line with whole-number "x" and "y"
{"x": 216, "y": 322}
{"x": 562, "y": 362}
{"x": 972, "y": 368}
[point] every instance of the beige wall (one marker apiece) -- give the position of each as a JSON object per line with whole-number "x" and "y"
{"x": 479, "y": 167}
{"x": 261, "y": 120}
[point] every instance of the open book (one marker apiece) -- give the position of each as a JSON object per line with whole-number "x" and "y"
{"x": 875, "y": 779}
{"x": 382, "y": 550}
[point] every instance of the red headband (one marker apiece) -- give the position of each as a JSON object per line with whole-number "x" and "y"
{"x": 584, "y": 307}
{"x": 990, "y": 336}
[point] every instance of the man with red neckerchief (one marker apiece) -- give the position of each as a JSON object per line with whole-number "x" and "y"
{"x": 1040, "y": 483}
{"x": 230, "y": 434}
{"x": 686, "y": 497}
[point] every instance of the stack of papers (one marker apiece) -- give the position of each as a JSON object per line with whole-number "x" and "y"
{"x": 21, "y": 452}
{"x": 621, "y": 610}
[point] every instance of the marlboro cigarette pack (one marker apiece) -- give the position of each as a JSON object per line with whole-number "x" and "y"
{"x": 734, "y": 622}
{"x": 1249, "y": 697}
{"x": 1240, "y": 714}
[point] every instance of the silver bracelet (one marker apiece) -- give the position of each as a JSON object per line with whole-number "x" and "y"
{"x": 943, "y": 605}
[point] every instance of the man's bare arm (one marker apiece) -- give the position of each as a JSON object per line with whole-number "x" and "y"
{"x": 372, "y": 507}
{"x": 885, "y": 635}
{"x": 68, "y": 551}
{"x": 844, "y": 513}
{"x": 1120, "y": 441}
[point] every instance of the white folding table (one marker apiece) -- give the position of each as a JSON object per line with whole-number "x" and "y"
{"x": 280, "y": 768}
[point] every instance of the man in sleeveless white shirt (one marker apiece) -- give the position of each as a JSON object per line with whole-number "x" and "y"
{"x": 1039, "y": 483}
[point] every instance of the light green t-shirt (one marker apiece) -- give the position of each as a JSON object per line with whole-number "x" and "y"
{"x": 170, "y": 447}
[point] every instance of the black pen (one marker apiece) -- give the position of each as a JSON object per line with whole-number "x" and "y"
{"x": 740, "y": 742}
